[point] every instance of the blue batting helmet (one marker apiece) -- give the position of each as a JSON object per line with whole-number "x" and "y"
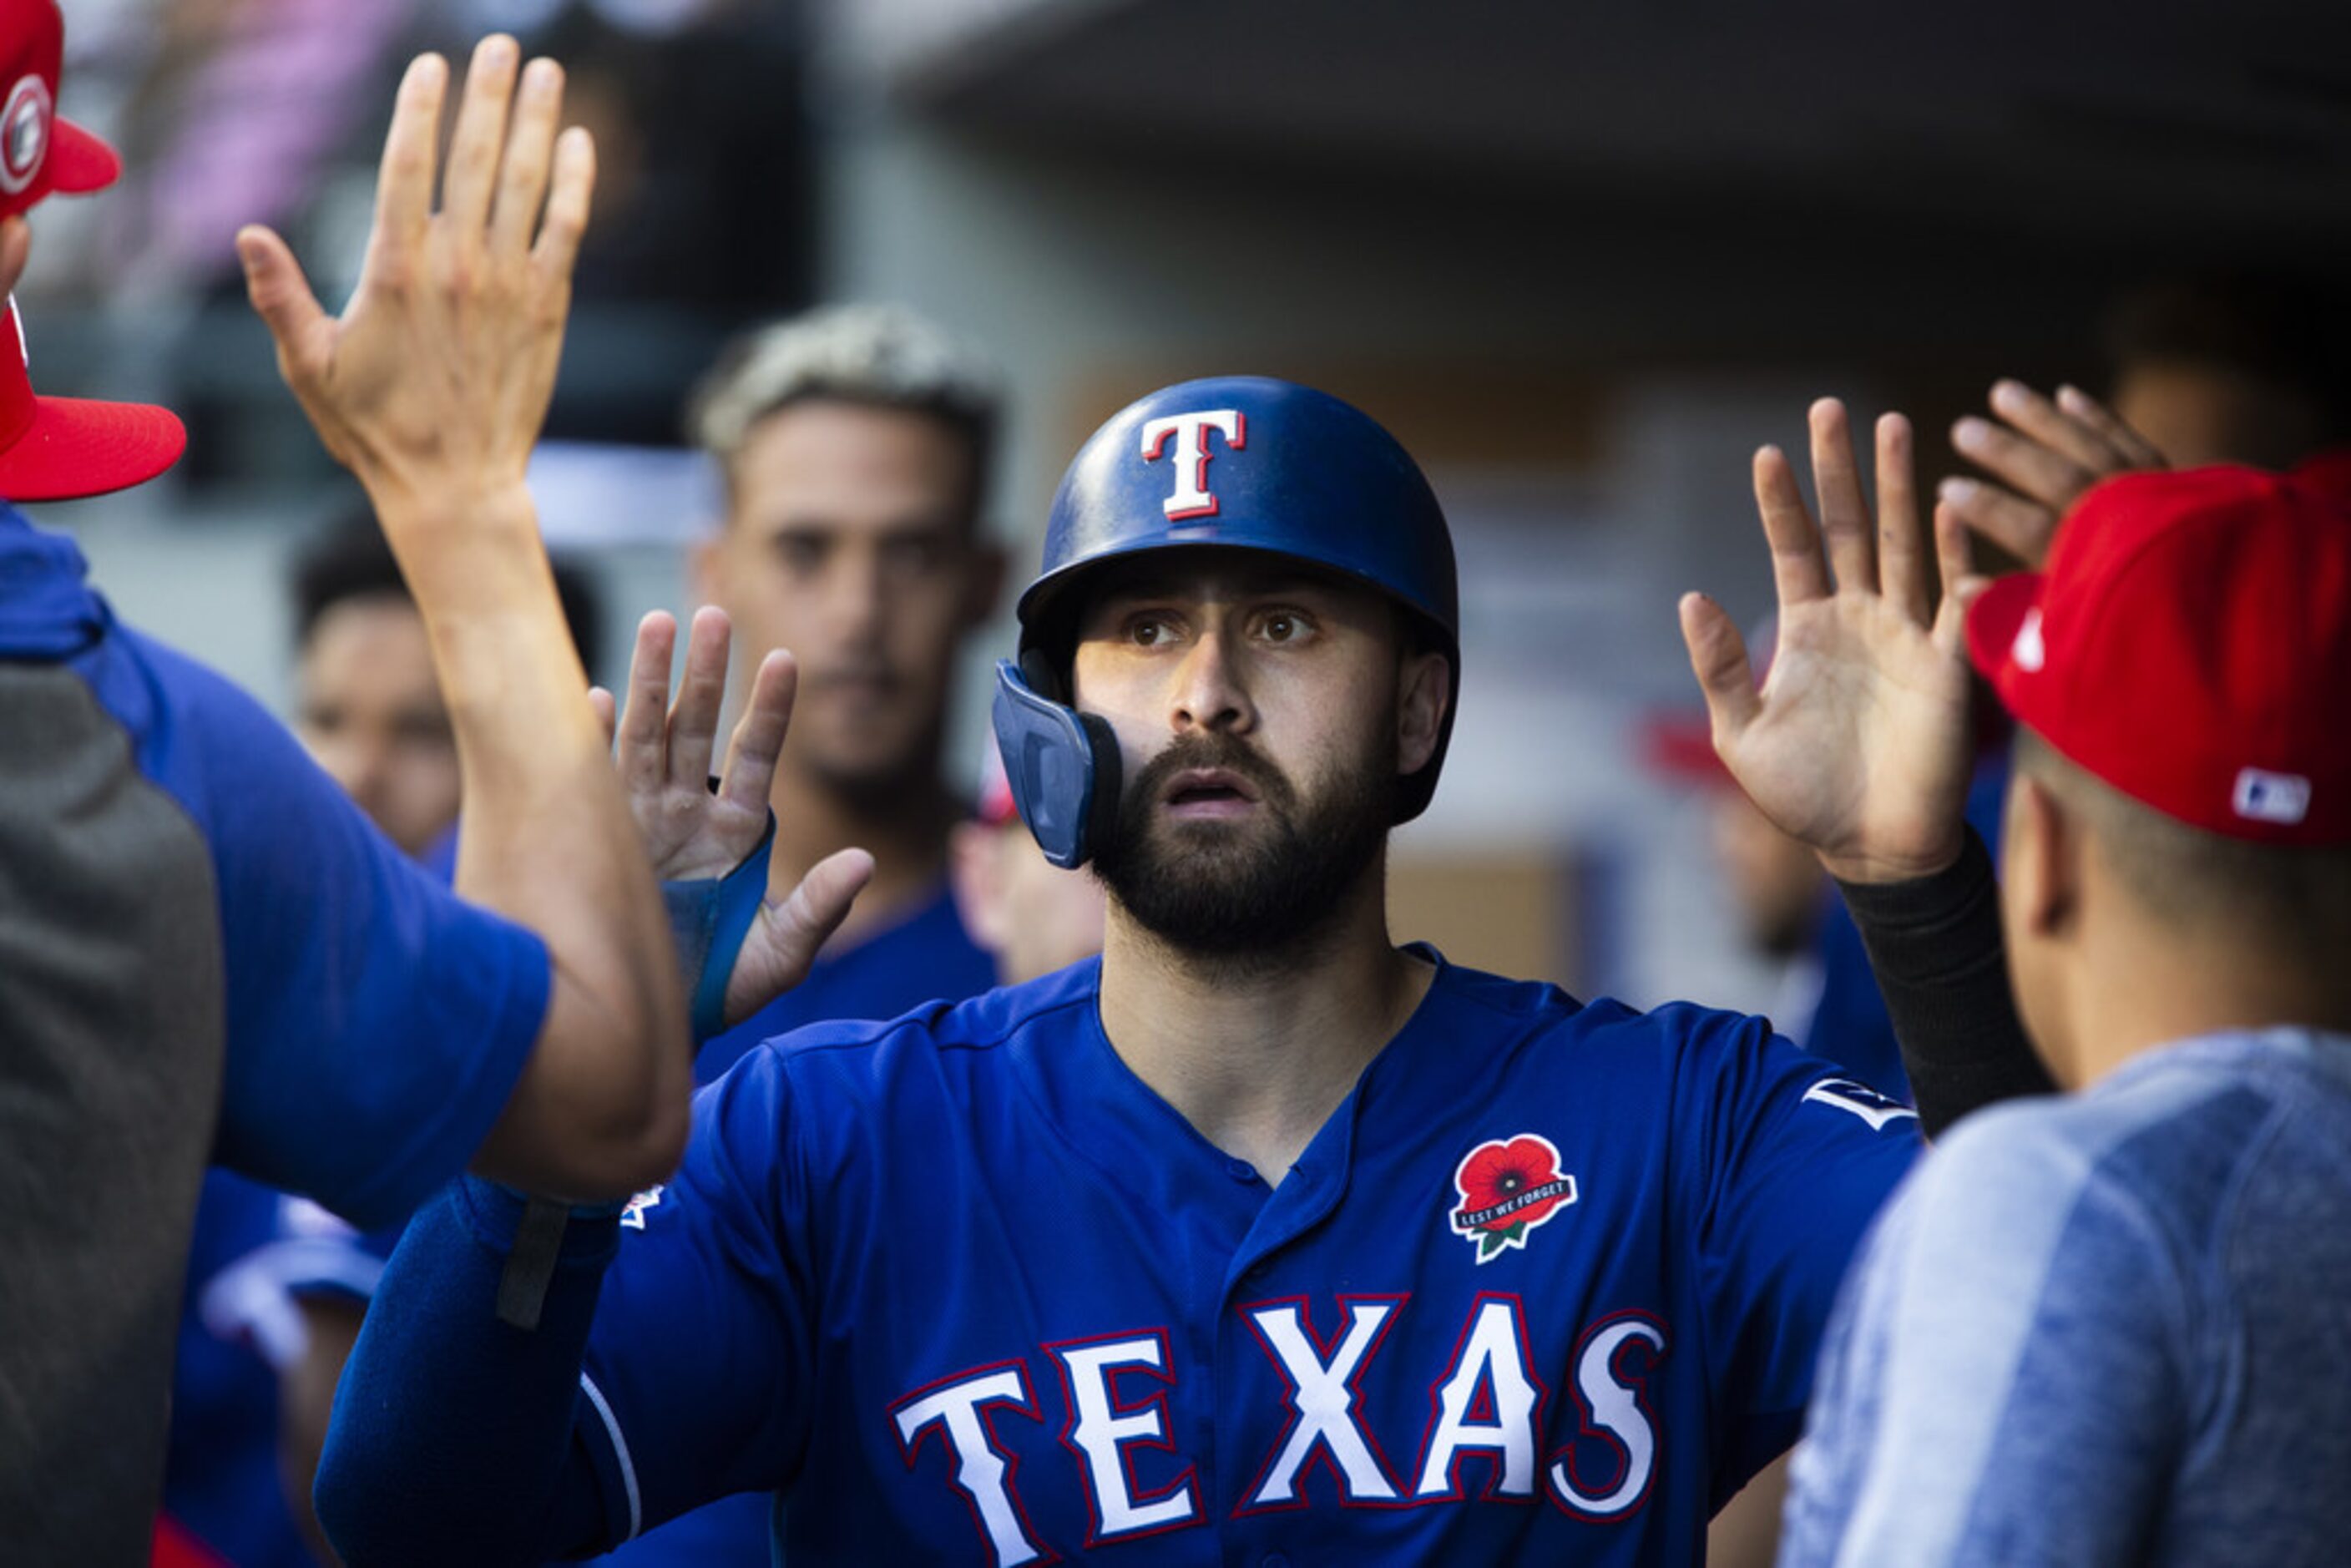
{"x": 1233, "y": 462}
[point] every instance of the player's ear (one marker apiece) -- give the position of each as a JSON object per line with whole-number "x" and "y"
{"x": 1424, "y": 685}
{"x": 2040, "y": 858}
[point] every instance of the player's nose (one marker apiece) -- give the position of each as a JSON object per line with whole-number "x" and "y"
{"x": 1211, "y": 691}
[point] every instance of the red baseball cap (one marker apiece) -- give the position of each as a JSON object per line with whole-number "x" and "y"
{"x": 2191, "y": 646}
{"x": 39, "y": 152}
{"x": 58, "y": 448}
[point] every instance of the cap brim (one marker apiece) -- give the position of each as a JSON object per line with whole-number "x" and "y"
{"x": 78, "y": 162}
{"x": 77, "y": 447}
{"x": 1994, "y": 621}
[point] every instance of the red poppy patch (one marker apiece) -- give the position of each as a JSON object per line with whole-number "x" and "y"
{"x": 1508, "y": 1186}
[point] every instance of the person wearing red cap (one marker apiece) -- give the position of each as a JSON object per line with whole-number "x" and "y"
{"x": 2107, "y": 1327}
{"x": 205, "y": 951}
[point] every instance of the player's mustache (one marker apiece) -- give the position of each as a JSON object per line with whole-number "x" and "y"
{"x": 1229, "y": 752}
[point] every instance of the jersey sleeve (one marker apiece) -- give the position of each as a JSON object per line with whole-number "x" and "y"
{"x": 1796, "y": 1160}
{"x": 376, "y": 1022}
{"x": 2002, "y": 1380}
{"x": 701, "y": 1366}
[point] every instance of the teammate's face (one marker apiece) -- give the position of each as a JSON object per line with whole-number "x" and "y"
{"x": 1263, "y": 717}
{"x": 370, "y": 711}
{"x": 851, "y": 542}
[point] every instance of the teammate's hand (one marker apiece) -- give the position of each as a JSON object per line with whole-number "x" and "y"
{"x": 663, "y": 750}
{"x": 438, "y": 373}
{"x": 1859, "y": 743}
{"x": 2047, "y": 453}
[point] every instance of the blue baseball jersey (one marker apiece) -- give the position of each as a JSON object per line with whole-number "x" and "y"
{"x": 926, "y": 954}
{"x": 1549, "y": 1283}
{"x": 375, "y": 1024}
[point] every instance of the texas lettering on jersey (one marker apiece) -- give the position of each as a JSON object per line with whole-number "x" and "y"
{"x": 1486, "y": 1403}
{"x": 964, "y": 1290}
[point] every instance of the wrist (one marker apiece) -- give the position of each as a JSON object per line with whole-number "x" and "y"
{"x": 1865, "y": 871}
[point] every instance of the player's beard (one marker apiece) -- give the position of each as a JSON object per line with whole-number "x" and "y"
{"x": 1250, "y": 892}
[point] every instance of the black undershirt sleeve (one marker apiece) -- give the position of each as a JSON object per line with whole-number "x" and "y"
{"x": 1935, "y": 945}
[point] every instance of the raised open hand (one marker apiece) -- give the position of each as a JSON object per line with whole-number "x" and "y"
{"x": 693, "y": 831}
{"x": 439, "y": 370}
{"x": 2046, "y": 452}
{"x": 1858, "y": 742}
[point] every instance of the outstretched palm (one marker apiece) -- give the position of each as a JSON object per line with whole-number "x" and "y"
{"x": 693, "y": 830}
{"x": 1857, "y": 743}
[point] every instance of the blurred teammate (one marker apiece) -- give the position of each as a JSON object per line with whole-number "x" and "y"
{"x": 205, "y": 949}
{"x": 367, "y": 706}
{"x": 2108, "y": 1328}
{"x": 1259, "y": 1238}
{"x": 853, "y": 445}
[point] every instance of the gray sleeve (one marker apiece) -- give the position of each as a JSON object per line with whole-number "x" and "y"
{"x": 2001, "y": 1383}
{"x": 1934, "y": 946}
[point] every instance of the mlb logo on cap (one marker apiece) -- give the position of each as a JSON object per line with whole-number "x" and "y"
{"x": 2191, "y": 646}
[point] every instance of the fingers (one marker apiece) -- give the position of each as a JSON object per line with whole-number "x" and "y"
{"x": 1717, "y": 656}
{"x": 481, "y": 132}
{"x": 752, "y": 754}
{"x": 531, "y": 152}
{"x": 1846, "y": 527}
{"x": 2022, "y": 528}
{"x": 403, "y": 196}
{"x": 607, "y": 713}
{"x": 2136, "y": 450}
{"x": 573, "y": 183}
{"x": 1901, "y": 548}
{"x": 818, "y": 906}
{"x": 282, "y": 298}
{"x": 693, "y": 718}
{"x": 1954, "y": 558}
{"x": 640, "y": 747}
{"x": 2042, "y": 420}
{"x": 1798, "y": 570}
{"x": 2037, "y": 472}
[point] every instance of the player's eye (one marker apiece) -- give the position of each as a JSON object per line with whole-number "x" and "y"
{"x": 1149, "y": 630}
{"x": 1283, "y": 626}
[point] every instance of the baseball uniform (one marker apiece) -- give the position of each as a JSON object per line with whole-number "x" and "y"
{"x": 964, "y": 1290}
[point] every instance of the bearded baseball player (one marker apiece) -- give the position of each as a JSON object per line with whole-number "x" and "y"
{"x": 1258, "y": 1239}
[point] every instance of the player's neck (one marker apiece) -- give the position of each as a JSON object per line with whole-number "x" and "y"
{"x": 1257, "y": 1057}
{"x": 905, "y": 829}
{"x": 2148, "y": 1000}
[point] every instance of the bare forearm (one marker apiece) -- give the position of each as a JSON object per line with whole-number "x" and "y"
{"x": 548, "y": 841}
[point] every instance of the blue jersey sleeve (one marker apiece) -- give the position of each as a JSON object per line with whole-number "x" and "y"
{"x": 376, "y": 1022}
{"x": 704, "y": 1360}
{"x": 1796, "y": 1161}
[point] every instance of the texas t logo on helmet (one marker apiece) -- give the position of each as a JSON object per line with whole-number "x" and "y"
{"x": 1193, "y": 498}
{"x": 1324, "y": 486}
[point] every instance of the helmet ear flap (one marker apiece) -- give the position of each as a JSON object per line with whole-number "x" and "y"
{"x": 1062, "y": 764}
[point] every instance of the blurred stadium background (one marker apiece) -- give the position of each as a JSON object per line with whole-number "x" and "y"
{"x": 1582, "y": 259}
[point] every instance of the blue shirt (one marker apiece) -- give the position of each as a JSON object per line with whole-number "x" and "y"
{"x": 375, "y": 1023}
{"x": 926, "y": 954}
{"x": 2103, "y": 1329}
{"x": 1548, "y": 1284}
